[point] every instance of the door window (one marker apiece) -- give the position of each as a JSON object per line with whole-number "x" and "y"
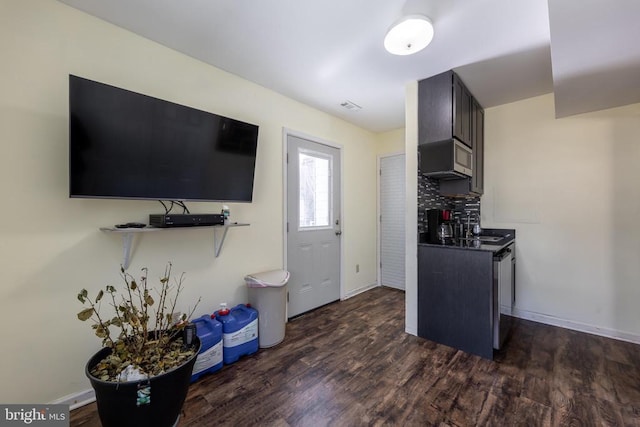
{"x": 315, "y": 190}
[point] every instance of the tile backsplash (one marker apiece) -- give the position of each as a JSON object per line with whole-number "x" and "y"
{"x": 429, "y": 198}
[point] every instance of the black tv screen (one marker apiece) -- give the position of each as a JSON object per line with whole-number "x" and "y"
{"x": 126, "y": 145}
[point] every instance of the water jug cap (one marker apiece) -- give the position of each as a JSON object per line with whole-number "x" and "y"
{"x": 223, "y": 309}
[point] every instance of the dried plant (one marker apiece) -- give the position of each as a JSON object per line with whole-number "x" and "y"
{"x": 151, "y": 351}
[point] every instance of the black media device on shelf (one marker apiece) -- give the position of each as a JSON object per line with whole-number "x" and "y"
{"x": 125, "y": 145}
{"x": 185, "y": 220}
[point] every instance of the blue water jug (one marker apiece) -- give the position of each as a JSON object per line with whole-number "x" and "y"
{"x": 239, "y": 331}
{"x": 209, "y": 359}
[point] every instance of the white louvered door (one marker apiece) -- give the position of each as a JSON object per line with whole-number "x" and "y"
{"x": 392, "y": 225}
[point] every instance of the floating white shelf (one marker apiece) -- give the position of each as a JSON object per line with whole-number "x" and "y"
{"x": 128, "y": 234}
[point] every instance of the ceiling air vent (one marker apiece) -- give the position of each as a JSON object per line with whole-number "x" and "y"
{"x": 350, "y": 105}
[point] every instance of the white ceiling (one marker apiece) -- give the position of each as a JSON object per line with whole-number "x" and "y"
{"x": 325, "y": 52}
{"x": 595, "y": 51}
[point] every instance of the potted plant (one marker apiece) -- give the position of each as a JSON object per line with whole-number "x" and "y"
{"x": 141, "y": 375}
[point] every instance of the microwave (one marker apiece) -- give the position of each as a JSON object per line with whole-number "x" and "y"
{"x": 450, "y": 159}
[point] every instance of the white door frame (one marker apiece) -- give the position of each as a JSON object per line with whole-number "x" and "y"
{"x": 343, "y": 226}
{"x": 378, "y": 213}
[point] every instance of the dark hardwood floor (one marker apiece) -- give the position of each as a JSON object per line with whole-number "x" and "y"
{"x": 350, "y": 363}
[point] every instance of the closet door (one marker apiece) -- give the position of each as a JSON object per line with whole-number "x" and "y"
{"x": 392, "y": 225}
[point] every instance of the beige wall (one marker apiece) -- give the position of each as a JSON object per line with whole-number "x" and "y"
{"x": 411, "y": 208}
{"x": 50, "y": 245}
{"x": 570, "y": 187}
{"x": 390, "y": 142}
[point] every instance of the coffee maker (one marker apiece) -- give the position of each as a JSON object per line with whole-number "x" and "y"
{"x": 439, "y": 227}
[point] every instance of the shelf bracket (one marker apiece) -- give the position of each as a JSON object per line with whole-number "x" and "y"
{"x": 128, "y": 234}
{"x": 127, "y": 243}
{"x": 219, "y": 241}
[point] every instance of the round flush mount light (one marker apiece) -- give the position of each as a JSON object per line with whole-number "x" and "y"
{"x": 408, "y": 35}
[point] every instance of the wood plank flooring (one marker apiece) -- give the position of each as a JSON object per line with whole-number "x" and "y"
{"x": 350, "y": 364}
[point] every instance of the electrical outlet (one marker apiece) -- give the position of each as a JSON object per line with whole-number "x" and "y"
{"x": 357, "y": 268}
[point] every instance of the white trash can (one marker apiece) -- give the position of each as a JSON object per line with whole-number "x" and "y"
{"x": 268, "y": 295}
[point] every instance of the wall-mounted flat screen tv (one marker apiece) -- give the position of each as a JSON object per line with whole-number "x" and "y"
{"x": 125, "y": 145}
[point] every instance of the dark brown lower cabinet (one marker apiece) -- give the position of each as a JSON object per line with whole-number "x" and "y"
{"x": 455, "y": 298}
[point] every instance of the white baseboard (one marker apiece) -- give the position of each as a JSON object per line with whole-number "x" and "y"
{"x": 576, "y": 326}
{"x": 77, "y": 400}
{"x": 355, "y": 292}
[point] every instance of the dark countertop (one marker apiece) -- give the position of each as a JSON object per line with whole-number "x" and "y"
{"x": 507, "y": 237}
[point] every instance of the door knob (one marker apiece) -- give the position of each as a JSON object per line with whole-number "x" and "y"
{"x": 338, "y": 233}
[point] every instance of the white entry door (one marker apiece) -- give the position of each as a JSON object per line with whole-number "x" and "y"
{"x": 313, "y": 224}
{"x": 392, "y": 224}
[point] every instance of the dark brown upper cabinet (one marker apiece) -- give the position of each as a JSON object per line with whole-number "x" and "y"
{"x": 462, "y": 108}
{"x": 477, "y": 144}
{"x": 444, "y": 109}
{"x": 447, "y": 110}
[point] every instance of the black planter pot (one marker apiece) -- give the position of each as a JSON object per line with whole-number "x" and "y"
{"x": 124, "y": 404}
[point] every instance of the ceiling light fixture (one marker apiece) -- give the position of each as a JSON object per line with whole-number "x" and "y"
{"x": 408, "y": 35}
